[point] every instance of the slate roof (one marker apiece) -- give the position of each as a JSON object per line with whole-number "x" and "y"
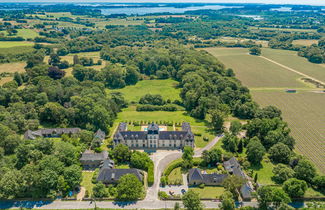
{"x": 214, "y": 178}
{"x": 100, "y": 134}
{"x": 108, "y": 175}
{"x": 195, "y": 174}
{"x": 130, "y": 135}
{"x": 153, "y": 126}
{"x": 231, "y": 164}
{"x": 122, "y": 126}
{"x": 92, "y": 156}
{"x": 50, "y": 131}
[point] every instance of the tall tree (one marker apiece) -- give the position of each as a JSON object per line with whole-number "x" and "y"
{"x": 191, "y": 201}
{"x": 255, "y": 151}
{"x": 129, "y": 188}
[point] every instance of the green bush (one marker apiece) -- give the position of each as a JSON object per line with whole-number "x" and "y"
{"x": 205, "y": 138}
{"x": 172, "y": 167}
{"x": 162, "y": 195}
{"x": 197, "y": 134}
{"x": 163, "y": 181}
{"x": 201, "y": 186}
{"x": 151, "y": 176}
{"x": 95, "y": 175}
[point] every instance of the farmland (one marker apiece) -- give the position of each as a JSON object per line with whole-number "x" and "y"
{"x": 4, "y": 44}
{"x": 267, "y": 81}
{"x": 26, "y": 33}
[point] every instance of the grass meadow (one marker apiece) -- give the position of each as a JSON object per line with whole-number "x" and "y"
{"x": 304, "y": 110}
{"x": 26, "y": 33}
{"x": 166, "y": 88}
{"x": 9, "y": 44}
{"x": 305, "y": 42}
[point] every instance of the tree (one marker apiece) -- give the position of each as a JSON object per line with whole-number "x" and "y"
{"x": 212, "y": 157}
{"x": 72, "y": 176}
{"x": 18, "y": 78}
{"x": 10, "y": 143}
{"x": 152, "y": 99}
{"x": 187, "y": 157}
{"x": 55, "y": 73}
{"x": 235, "y": 127}
{"x": 280, "y": 153}
{"x": 282, "y": 173}
{"x": 268, "y": 195}
{"x": 140, "y": 160}
{"x": 255, "y": 51}
{"x": 11, "y": 184}
{"x": 305, "y": 170}
{"x": 230, "y": 142}
{"x": 232, "y": 184}
{"x": 86, "y": 137}
{"x": 319, "y": 183}
{"x": 217, "y": 120}
{"x": 191, "y": 201}
{"x": 54, "y": 60}
{"x": 121, "y": 153}
{"x": 100, "y": 190}
{"x": 132, "y": 75}
{"x": 294, "y": 187}
{"x": 76, "y": 60}
{"x": 227, "y": 201}
{"x": 129, "y": 188}
{"x": 255, "y": 151}
{"x": 177, "y": 206}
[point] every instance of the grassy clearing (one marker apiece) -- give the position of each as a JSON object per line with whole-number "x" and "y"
{"x": 209, "y": 192}
{"x": 8, "y": 44}
{"x": 252, "y": 70}
{"x": 175, "y": 176}
{"x": 264, "y": 172}
{"x": 166, "y": 88}
{"x": 305, "y": 114}
{"x": 25, "y": 33}
{"x": 86, "y": 181}
{"x": 305, "y": 42}
{"x": 12, "y": 67}
{"x": 124, "y": 22}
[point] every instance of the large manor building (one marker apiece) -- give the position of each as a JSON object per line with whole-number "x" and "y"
{"x": 153, "y": 138}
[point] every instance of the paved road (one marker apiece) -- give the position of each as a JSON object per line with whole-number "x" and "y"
{"x": 161, "y": 160}
{"x": 104, "y": 204}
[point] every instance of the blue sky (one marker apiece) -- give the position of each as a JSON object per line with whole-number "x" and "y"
{"x": 311, "y": 2}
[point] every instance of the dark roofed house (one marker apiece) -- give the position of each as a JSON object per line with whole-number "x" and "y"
{"x": 50, "y": 132}
{"x": 233, "y": 167}
{"x": 195, "y": 177}
{"x": 90, "y": 160}
{"x": 112, "y": 176}
{"x": 99, "y": 136}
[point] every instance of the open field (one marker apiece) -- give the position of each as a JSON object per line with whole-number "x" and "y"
{"x": 166, "y": 88}
{"x": 251, "y": 70}
{"x": 8, "y": 44}
{"x": 282, "y": 29}
{"x": 290, "y": 59}
{"x": 25, "y": 33}
{"x": 305, "y": 42}
{"x": 12, "y": 67}
{"x": 304, "y": 110}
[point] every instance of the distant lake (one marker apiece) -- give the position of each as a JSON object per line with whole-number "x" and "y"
{"x": 282, "y": 9}
{"x": 150, "y": 10}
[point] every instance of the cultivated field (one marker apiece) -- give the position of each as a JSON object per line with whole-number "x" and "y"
{"x": 305, "y": 114}
{"x": 26, "y": 33}
{"x": 304, "y": 110}
{"x": 305, "y": 42}
{"x": 252, "y": 70}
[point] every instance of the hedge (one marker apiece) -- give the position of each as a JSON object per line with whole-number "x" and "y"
{"x": 149, "y": 108}
{"x": 172, "y": 167}
{"x": 151, "y": 176}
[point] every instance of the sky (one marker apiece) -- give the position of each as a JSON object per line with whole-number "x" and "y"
{"x": 307, "y": 2}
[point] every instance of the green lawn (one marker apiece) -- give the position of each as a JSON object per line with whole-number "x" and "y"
{"x": 210, "y": 192}
{"x": 166, "y": 88}
{"x": 175, "y": 176}
{"x": 86, "y": 181}
{"x": 264, "y": 172}
{"x": 5, "y": 44}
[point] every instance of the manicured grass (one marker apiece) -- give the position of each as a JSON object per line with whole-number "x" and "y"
{"x": 122, "y": 166}
{"x": 264, "y": 172}
{"x": 175, "y": 176}
{"x": 86, "y": 181}
{"x": 166, "y": 88}
{"x": 305, "y": 114}
{"x": 205, "y": 132}
{"x": 210, "y": 192}
{"x": 252, "y": 70}
{"x": 130, "y": 114}
{"x": 8, "y": 44}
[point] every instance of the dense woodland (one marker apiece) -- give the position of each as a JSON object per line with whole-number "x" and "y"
{"x": 45, "y": 97}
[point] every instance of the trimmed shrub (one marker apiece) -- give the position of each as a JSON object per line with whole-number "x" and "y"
{"x": 151, "y": 176}
{"x": 172, "y": 167}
